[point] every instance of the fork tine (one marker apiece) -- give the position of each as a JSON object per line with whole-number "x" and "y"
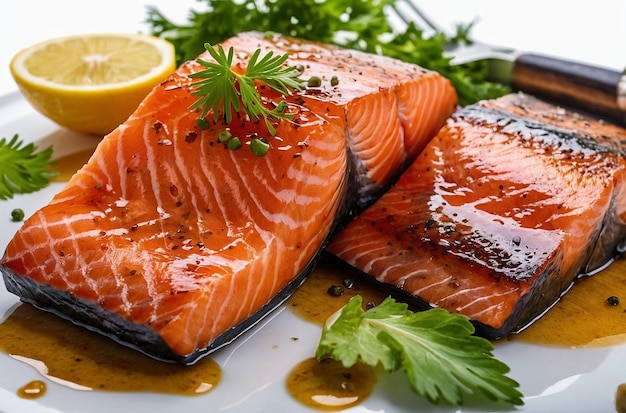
{"x": 406, "y": 12}
{"x": 428, "y": 23}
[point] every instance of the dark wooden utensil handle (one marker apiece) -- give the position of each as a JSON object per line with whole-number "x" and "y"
{"x": 578, "y": 85}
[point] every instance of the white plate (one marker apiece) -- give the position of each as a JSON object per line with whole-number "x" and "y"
{"x": 255, "y": 367}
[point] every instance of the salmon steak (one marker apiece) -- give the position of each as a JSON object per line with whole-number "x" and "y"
{"x": 172, "y": 244}
{"x": 502, "y": 211}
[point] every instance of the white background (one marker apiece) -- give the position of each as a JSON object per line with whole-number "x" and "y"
{"x": 552, "y": 379}
{"x": 593, "y": 31}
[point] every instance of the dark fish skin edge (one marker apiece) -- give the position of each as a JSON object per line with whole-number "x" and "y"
{"x": 136, "y": 336}
{"x": 143, "y": 339}
{"x": 531, "y": 306}
{"x": 140, "y": 337}
{"x": 605, "y": 245}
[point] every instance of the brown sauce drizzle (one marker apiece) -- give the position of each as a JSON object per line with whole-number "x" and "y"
{"x": 85, "y": 360}
{"x": 585, "y": 316}
{"x": 327, "y": 385}
{"x": 313, "y": 302}
{"x": 591, "y": 314}
{"x": 80, "y": 359}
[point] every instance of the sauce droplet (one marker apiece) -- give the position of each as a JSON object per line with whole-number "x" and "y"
{"x": 329, "y": 386}
{"x": 32, "y": 390}
{"x": 620, "y": 398}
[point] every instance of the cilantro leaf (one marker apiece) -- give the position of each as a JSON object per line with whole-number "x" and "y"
{"x": 22, "y": 170}
{"x": 437, "y": 350}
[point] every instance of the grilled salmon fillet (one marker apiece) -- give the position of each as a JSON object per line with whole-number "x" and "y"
{"x": 505, "y": 207}
{"x": 172, "y": 244}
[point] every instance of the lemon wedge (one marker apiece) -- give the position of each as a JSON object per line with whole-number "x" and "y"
{"x": 92, "y": 83}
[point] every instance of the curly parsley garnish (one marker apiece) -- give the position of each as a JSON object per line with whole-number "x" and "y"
{"x": 22, "y": 169}
{"x": 222, "y": 89}
{"x": 438, "y": 350}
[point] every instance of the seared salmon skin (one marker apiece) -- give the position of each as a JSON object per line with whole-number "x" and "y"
{"x": 173, "y": 244}
{"x": 509, "y": 203}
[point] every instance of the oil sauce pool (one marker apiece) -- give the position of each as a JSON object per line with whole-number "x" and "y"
{"x": 594, "y": 302}
{"x": 591, "y": 314}
{"x": 84, "y": 360}
{"x": 87, "y": 361}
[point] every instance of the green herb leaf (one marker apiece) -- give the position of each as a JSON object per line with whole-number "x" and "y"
{"x": 471, "y": 80}
{"x": 222, "y": 90}
{"x": 437, "y": 350}
{"x": 364, "y": 21}
{"x": 22, "y": 169}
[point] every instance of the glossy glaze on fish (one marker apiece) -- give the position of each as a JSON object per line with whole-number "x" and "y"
{"x": 171, "y": 243}
{"x": 498, "y": 215}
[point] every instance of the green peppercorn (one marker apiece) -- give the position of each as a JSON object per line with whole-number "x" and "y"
{"x": 234, "y": 144}
{"x": 348, "y": 283}
{"x": 612, "y": 300}
{"x": 334, "y": 81}
{"x": 224, "y": 136}
{"x": 202, "y": 123}
{"x": 314, "y": 81}
{"x": 259, "y": 147}
{"x": 17, "y": 215}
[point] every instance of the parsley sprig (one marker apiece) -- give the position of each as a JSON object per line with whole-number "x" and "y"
{"x": 22, "y": 169}
{"x": 325, "y": 21}
{"x": 438, "y": 351}
{"x": 222, "y": 89}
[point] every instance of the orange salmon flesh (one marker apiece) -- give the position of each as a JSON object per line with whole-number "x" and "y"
{"x": 172, "y": 244}
{"x": 509, "y": 203}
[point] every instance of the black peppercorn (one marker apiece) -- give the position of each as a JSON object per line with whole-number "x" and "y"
{"x": 335, "y": 290}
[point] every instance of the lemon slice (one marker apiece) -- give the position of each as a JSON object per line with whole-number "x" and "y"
{"x": 92, "y": 83}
